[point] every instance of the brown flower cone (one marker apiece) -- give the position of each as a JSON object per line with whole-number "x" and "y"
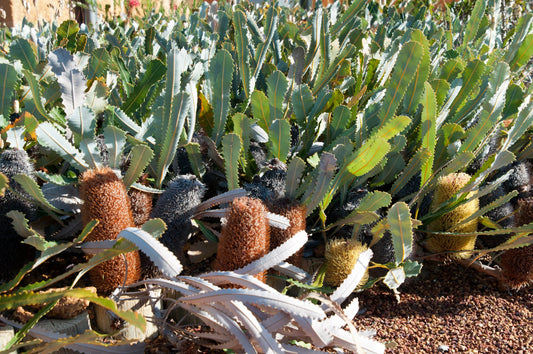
{"x": 245, "y": 237}
{"x": 105, "y": 199}
{"x": 447, "y": 186}
{"x": 517, "y": 266}
{"x": 295, "y": 212}
{"x": 341, "y": 256}
{"x": 517, "y": 263}
{"x": 141, "y": 206}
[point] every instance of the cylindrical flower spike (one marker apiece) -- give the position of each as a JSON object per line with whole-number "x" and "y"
{"x": 295, "y": 212}
{"x": 447, "y": 186}
{"x": 105, "y": 199}
{"x": 245, "y": 237}
{"x": 341, "y": 256}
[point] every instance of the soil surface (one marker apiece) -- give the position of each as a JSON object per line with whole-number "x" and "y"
{"x": 449, "y": 309}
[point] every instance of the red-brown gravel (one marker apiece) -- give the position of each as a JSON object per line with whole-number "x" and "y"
{"x": 450, "y": 309}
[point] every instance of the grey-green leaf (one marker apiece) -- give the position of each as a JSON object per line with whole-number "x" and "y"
{"x": 401, "y": 227}
{"x": 231, "y": 149}
{"x": 50, "y": 137}
{"x": 220, "y": 76}
{"x": 280, "y": 139}
{"x": 140, "y": 157}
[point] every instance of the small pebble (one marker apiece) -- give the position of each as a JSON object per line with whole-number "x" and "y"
{"x": 443, "y": 348}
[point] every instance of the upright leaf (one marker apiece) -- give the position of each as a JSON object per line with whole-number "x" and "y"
{"x": 280, "y": 139}
{"x": 414, "y": 92}
{"x": 348, "y": 16}
{"x": 375, "y": 200}
{"x": 521, "y": 124}
{"x": 98, "y": 64}
{"x": 333, "y": 68}
{"x": 36, "y": 106}
{"x": 50, "y": 137}
{"x": 473, "y": 23}
{"x": 405, "y": 70}
{"x": 115, "y": 140}
{"x": 321, "y": 183}
{"x": 243, "y": 53}
{"x": 140, "y": 157}
{"x": 401, "y": 227}
{"x": 24, "y": 51}
{"x": 270, "y": 28}
{"x": 522, "y": 31}
{"x": 428, "y": 130}
{"x": 155, "y": 70}
{"x": 340, "y": 118}
{"x": 231, "y": 149}
{"x": 8, "y": 82}
{"x": 470, "y": 80}
{"x": 277, "y": 86}
{"x": 302, "y": 103}
{"x": 413, "y": 167}
{"x": 220, "y": 76}
{"x": 195, "y": 159}
{"x": 295, "y": 170}
{"x": 261, "y": 109}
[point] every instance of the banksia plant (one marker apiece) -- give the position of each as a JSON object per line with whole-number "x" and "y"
{"x": 341, "y": 256}
{"x": 517, "y": 263}
{"x": 105, "y": 199}
{"x": 141, "y": 204}
{"x": 295, "y": 212}
{"x": 13, "y": 253}
{"x": 447, "y": 187}
{"x": 245, "y": 237}
{"x": 175, "y": 207}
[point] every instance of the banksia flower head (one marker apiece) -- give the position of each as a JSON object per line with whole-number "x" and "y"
{"x": 13, "y": 253}
{"x": 141, "y": 204}
{"x": 295, "y": 212}
{"x": 245, "y": 237}
{"x": 517, "y": 263}
{"x": 341, "y": 256}
{"x": 448, "y": 186}
{"x": 175, "y": 207}
{"x": 105, "y": 199}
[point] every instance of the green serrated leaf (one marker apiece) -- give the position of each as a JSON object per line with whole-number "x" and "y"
{"x": 375, "y": 200}
{"x": 39, "y": 112}
{"x": 368, "y": 156}
{"x": 24, "y": 51}
{"x": 321, "y": 183}
{"x": 393, "y": 127}
{"x": 474, "y": 21}
{"x": 302, "y": 103}
{"x": 332, "y": 69}
{"x": 167, "y": 150}
{"x": 521, "y": 124}
{"x": 295, "y": 170}
{"x": 155, "y": 227}
{"x": 195, "y": 159}
{"x": 348, "y": 16}
{"x": 220, "y": 75}
{"x": 417, "y": 86}
{"x": 66, "y": 35}
{"x": 277, "y": 85}
{"x": 50, "y": 137}
{"x": 8, "y": 82}
{"x": 243, "y": 53}
{"x": 401, "y": 228}
{"x": 98, "y": 64}
{"x": 270, "y": 27}
{"x": 470, "y": 81}
{"x": 231, "y": 149}
{"x": 356, "y": 217}
{"x": 141, "y": 155}
{"x": 115, "y": 140}
{"x": 21, "y": 225}
{"x": 261, "y": 109}
{"x": 32, "y": 188}
{"x": 155, "y": 70}
{"x": 428, "y": 131}
{"x": 405, "y": 70}
{"x": 441, "y": 88}
{"x": 280, "y": 139}
{"x": 413, "y": 167}
{"x": 119, "y": 117}
{"x": 340, "y": 118}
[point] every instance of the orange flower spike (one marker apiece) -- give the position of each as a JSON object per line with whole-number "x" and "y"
{"x": 295, "y": 212}
{"x": 105, "y": 199}
{"x": 245, "y": 237}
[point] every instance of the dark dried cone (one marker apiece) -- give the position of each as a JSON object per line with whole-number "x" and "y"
{"x": 14, "y": 254}
{"x": 517, "y": 267}
{"x": 245, "y": 237}
{"x": 295, "y": 212}
{"x": 517, "y": 263}
{"x": 270, "y": 186}
{"x": 105, "y": 199}
{"x": 175, "y": 207}
{"x": 141, "y": 204}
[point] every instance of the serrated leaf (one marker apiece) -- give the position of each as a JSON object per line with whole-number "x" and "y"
{"x": 277, "y": 86}
{"x": 340, "y": 118}
{"x": 401, "y": 228}
{"x": 270, "y": 27}
{"x": 333, "y": 68}
{"x": 521, "y": 124}
{"x": 96, "y": 97}
{"x": 348, "y": 16}
{"x": 195, "y": 159}
{"x": 66, "y": 34}
{"x": 141, "y": 155}
{"x": 413, "y": 167}
{"x": 82, "y": 122}
{"x": 170, "y": 138}
{"x": 395, "y": 277}
{"x": 231, "y": 149}
{"x": 50, "y": 137}
{"x": 98, "y": 64}
{"x": 393, "y": 127}
{"x": 20, "y": 224}
{"x": 115, "y": 140}
{"x": 474, "y": 21}
{"x": 165, "y": 260}
{"x": 220, "y": 76}
{"x": 356, "y": 217}
{"x": 375, "y": 200}
{"x": 32, "y": 188}
{"x": 470, "y": 80}
{"x": 115, "y": 114}
{"x": 72, "y": 84}
{"x": 155, "y": 70}
{"x": 243, "y": 53}
{"x": 155, "y": 227}
{"x": 8, "y": 82}
{"x": 295, "y": 170}
{"x": 321, "y": 183}
{"x": 368, "y": 156}
{"x": 428, "y": 131}
{"x": 261, "y": 109}
{"x": 24, "y": 51}
{"x": 405, "y": 69}
{"x": 302, "y": 103}
{"x": 280, "y": 139}
{"x": 39, "y": 112}
{"x": 417, "y": 86}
